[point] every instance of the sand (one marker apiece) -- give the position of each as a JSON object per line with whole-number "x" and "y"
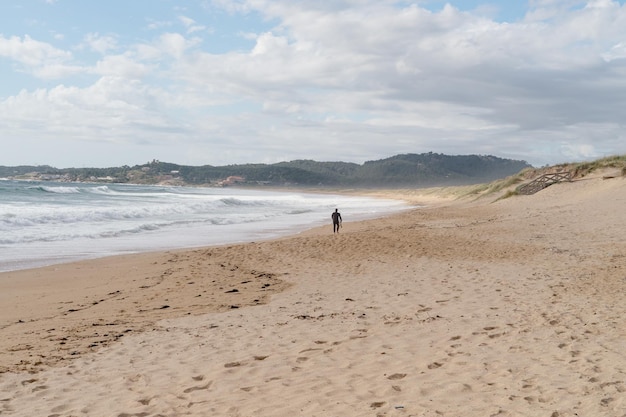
{"x": 460, "y": 308}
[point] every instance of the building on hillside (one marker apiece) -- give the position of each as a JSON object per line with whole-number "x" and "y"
{"x": 232, "y": 180}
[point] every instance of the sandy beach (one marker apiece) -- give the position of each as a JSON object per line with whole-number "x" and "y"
{"x": 469, "y": 307}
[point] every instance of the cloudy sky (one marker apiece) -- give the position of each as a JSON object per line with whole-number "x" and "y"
{"x": 195, "y": 82}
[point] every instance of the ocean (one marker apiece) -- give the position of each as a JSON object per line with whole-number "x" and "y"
{"x": 45, "y": 223}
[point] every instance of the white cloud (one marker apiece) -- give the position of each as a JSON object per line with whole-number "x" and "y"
{"x": 121, "y": 66}
{"x": 100, "y": 44}
{"x": 40, "y": 59}
{"x": 158, "y": 24}
{"x": 57, "y": 71}
{"x": 112, "y": 109}
{"x": 191, "y": 24}
{"x": 352, "y": 80}
{"x": 267, "y": 43}
{"x": 175, "y": 44}
{"x": 579, "y": 152}
{"x": 187, "y": 21}
{"x": 232, "y": 6}
{"x": 420, "y": 76}
{"x": 147, "y": 52}
{"x": 30, "y": 52}
{"x": 617, "y": 51}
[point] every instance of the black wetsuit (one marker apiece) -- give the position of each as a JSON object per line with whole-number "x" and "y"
{"x": 336, "y": 216}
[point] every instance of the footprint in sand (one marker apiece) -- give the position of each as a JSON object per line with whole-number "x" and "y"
{"x": 198, "y": 388}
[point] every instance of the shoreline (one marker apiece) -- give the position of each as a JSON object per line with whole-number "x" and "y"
{"x": 154, "y": 233}
{"x": 462, "y": 307}
{"x": 62, "y": 287}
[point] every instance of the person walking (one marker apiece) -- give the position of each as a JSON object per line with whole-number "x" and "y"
{"x": 336, "y": 216}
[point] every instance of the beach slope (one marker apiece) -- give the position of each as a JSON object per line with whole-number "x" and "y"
{"x": 472, "y": 308}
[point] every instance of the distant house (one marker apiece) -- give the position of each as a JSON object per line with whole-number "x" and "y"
{"x": 232, "y": 180}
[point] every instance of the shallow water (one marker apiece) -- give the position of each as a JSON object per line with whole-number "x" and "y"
{"x": 43, "y": 223}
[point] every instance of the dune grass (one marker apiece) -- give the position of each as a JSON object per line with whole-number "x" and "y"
{"x": 505, "y": 185}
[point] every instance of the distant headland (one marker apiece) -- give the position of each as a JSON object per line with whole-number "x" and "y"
{"x": 426, "y": 169}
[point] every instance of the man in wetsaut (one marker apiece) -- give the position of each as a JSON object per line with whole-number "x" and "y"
{"x": 336, "y": 216}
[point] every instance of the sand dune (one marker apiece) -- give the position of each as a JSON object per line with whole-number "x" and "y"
{"x": 465, "y": 308}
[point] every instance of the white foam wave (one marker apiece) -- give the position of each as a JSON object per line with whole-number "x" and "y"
{"x": 59, "y": 190}
{"x": 101, "y": 190}
{"x": 49, "y": 221}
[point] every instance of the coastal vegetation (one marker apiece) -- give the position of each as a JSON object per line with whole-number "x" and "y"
{"x": 427, "y": 169}
{"x": 507, "y": 186}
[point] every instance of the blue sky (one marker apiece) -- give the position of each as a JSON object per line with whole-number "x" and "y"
{"x": 91, "y": 83}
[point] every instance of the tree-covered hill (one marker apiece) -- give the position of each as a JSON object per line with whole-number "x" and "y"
{"x": 427, "y": 169}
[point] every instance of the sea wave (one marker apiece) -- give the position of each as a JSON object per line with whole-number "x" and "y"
{"x": 95, "y": 232}
{"x": 73, "y": 220}
{"x": 51, "y": 215}
{"x": 56, "y": 189}
{"x": 241, "y": 202}
{"x": 102, "y": 189}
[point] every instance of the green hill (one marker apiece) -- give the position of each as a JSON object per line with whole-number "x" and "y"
{"x": 427, "y": 169}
